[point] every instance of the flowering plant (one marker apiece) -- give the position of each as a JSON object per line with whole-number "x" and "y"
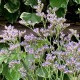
{"x": 48, "y": 55}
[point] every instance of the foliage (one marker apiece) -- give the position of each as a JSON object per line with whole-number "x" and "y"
{"x": 8, "y": 8}
{"x": 11, "y": 9}
{"x": 48, "y": 55}
{"x": 12, "y": 6}
{"x": 30, "y": 2}
{"x": 30, "y": 17}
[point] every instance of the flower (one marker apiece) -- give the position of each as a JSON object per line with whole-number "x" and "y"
{"x": 11, "y": 34}
{"x": 61, "y": 67}
{"x": 46, "y": 63}
{"x": 68, "y": 71}
{"x": 71, "y": 46}
{"x": 30, "y": 50}
{"x": 22, "y": 71}
{"x": 61, "y": 20}
{"x": 13, "y": 62}
{"x": 14, "y": 46}
{"x": 37, "y": 31}
{"x": 71, "y": 62}
{"x": 30, "y": 38}
{"x": 3, "y": 52}
{"x": 78, "y": 50}
{"x": 49, "y": 57}
{"x": 39, "y": 7}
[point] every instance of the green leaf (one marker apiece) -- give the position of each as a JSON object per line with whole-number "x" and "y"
{"x": 12, "y": 6}
{"x": 6, "y": 72}
{"x": 1, "y": 68}
{"x": 45, "y": 41}
{"x": 11, "y": 17}
{"x": 30, "y": 2}
{"x": 59, "y": 3}
{"x": 66, "y": 77}
{"x": 28, "y": 61}
{"x": 42, "y": 72}
{"x": 2, "y": 59}
{"x": 10, "y": 74}
{"x": 30, "y": 17}
{"x": 61, "y": 12}
{"x": 0, "y": 1}
{"x": 77, "y": 1}
{"x": 3, "y": 46}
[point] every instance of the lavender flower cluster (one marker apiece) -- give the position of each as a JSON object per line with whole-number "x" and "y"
{"x": 40, "y": 52}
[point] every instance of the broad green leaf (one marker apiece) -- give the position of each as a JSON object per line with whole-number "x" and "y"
{"x": 30, "y": 2}
{"x": 30, "y": 17}
{"x": 0, "y": 1}
{"x": 11, "y": 17}
{"x": 78, "y": 12}
{"x": 59, "y": 3}
{"x": 6, "y": 72}
{"x": 3, "y": 46}
{"x": 15, "y": 74}
{"x": 66, "y": 77}
{"x": 12, "y": 6}
{"x": 77, "y": 1}
{"x": 13, "y": 57}
{"x": 10, "y": 74}
{"x": 61, "y": 12}
{"x": 28, "y": 60}
{"x": 42, "y": 72}
{"x": 2, "y": 59}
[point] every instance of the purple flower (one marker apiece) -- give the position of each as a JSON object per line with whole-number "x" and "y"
{"x": 78, "y": 50}
{"x": 61, "y": 20}
{"x": 39, "y": 7}
{"x": 61, "y": 67}
{"x": 71, "y": 62}
{"x": 46, "y": 34}
{"x": 36, "y": 30}
{"x": 71, "y": 46}
{"x": 11, "y": 34}
{"x": 22, "y": 71}
{"x": 37, "y": 56}
{"x": 46, "y": 47}
{"x": 30, "y": 51}
{"x": 30, "y": 38}
{"x": 46, "y": 63}
{"x": 3, "y": 52}
{"x": 14, "y": 46}
{"x": 49, "y": 57}
{"x": 68, "y": 71}
{"x": 13, "y": 62}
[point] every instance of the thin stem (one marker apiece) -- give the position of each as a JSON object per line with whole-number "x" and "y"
{"x": 57, "y": 75}
{"x": 62, "y": 75}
